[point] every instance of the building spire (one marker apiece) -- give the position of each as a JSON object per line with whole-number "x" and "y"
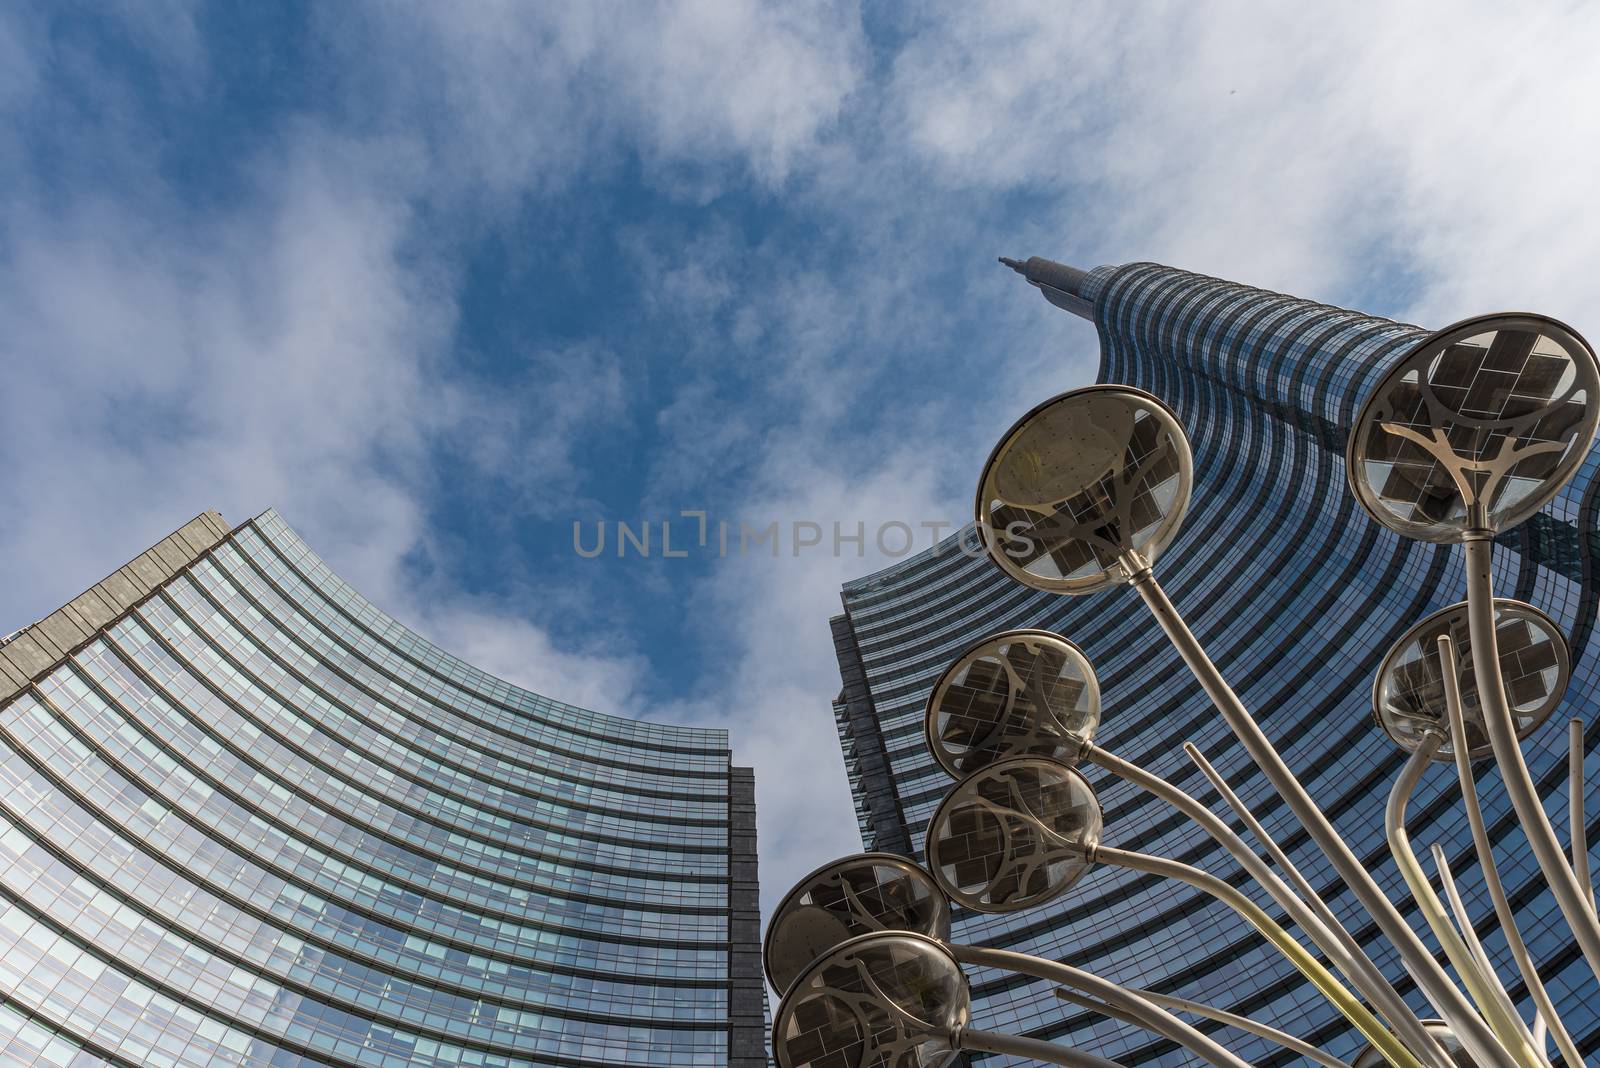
{"x": 1060, "y": 284}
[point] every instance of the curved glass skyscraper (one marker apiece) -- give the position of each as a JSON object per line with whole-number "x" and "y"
{"x": 248, "y": 819}
{"x": 1297, "y": 595}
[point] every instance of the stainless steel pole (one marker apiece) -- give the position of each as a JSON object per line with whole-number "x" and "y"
{"x": 1571, "y": 898}
{"x": 1244, "y": 1023}
{"x": 1394, "y": 1051}
{"x": 1361, "y": 972}
{"x": 1473, "y": 1032}
{"x": 1575, "y": 816}
{"x": 1034, "y": 1049}
{"x": 1469, "y": 935}
{"x": 1389, "y": 1002}
{"x": 1491, "y": 873}
{"x": 1150, "y": 1017}
{"x": 1502, "y": 1016}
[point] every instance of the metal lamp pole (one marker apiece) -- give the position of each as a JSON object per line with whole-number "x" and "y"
{"x": 1472, "y": 432}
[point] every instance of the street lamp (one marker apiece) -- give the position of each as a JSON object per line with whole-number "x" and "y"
{"x": 1033, "y": 693}
{"x": 891, "y": 998}
{"x": 1472, "y": 431}
{"x": 1020, "y": 692}
{"x": 1408, "y": 692}
{"x": 1422, "y": 692}
{"x": 862, "y": 894}
{"x": 885, "y": 895}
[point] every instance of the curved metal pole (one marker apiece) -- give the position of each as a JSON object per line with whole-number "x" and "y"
{"x": 1575, "y": 816}
{"x": 1033, "y": 1048}
{"x": 1351, "y": 964}
{"x": 1509, "y": 1027}
{"x": 1149, "y": 1016}
{"x": 1572, "y": 898}
{"x": 1469, "y": 1028}
{"x": 1082, "y": 1000}
{"x": 1219, "y": 832}
{"x": 1096, "y": 1005}
{"x": 1211, "y": 1012}
{"x": 1347, "y": 1003}
{"x": 1491, "y": 874}
{"x": 1377, "y": 987}
{"x": 1469, "y": 936}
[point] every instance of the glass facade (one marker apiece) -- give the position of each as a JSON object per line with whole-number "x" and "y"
{"x": 248, "y": 819}
{"x": 1297, "y": 595}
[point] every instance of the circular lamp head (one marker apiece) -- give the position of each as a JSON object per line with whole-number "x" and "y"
{"x": 1476, "y": 428}
{"x": 1408, "y": 693}
{"x": 884, "y": 1000}
{"x": 1081, "y": 480}
{"x": 1013, "y": 835}
{"x": 854, "y": 896}
{"x": 1018, "y": 693}
{"x": 1370, "y": 1057}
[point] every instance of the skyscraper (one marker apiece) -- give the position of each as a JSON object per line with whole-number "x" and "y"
{"x": 1296, "y": 594}
{"x": 246, "y": 818}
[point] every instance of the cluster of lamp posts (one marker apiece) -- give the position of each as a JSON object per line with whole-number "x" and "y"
{"x": 1473, "y": 431}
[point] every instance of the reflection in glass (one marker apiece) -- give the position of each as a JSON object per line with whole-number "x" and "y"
{"x": 1476, "y": 428}
{"x": 1408, "y": 694}
{"x": 854, "y": 896}
{"x": 887, "y": 1000}
{"x": 1078, "y": 482}
{"x": 1013, "y": 835}
{"x": 1019, "y": 693}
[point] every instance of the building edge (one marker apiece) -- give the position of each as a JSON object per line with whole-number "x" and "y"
{"x": 38, "y": 649}
{"x": 883, "y": 824}
{"x": 747, "y": 991}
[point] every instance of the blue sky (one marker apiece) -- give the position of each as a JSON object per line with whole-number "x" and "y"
{"x": 436, "y": 281}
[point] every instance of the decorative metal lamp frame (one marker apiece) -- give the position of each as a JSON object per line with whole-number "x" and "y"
{"x": 1473, "y": 431}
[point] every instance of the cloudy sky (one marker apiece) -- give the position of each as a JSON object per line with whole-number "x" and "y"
{"x": 438, "y": 281}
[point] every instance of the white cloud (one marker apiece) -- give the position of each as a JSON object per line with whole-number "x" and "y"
{"x": 1301, "y": 149}
{"x": 519, "y": 96}
{"x": 288, "y": 354}
{"x": 289, "y": 349}
{"x": 161, "y": 364}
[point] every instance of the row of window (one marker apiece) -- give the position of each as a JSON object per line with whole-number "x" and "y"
{"x": 463, "y": 685}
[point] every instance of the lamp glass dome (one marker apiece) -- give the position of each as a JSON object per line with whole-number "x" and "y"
{"x": 850, "y": 897}
{"x": 1476, "y": 428}
{"x": 1018, "y": 693}
{"x": 1370, "y": 1057}
{"x": 1080, "y": 481}
{"x": 884, "y": 1000}
{"x": 1408, "y": 695}
{"x": 1014, "y": 834}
